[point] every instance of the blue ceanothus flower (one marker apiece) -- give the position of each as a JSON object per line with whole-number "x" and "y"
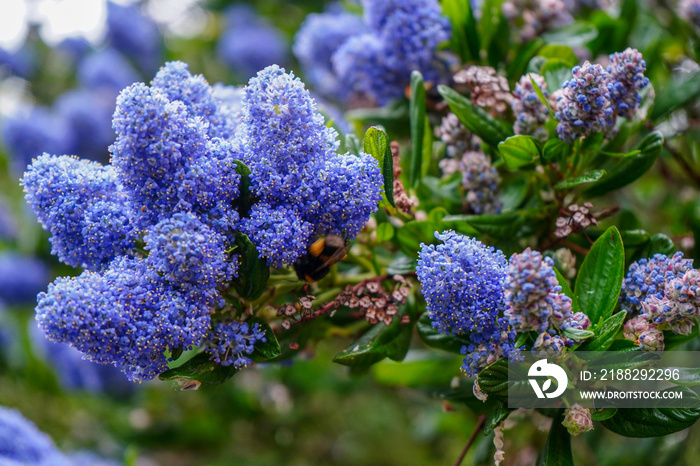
{"x": 232, "y": 342}
{"x": 463, "y": 283}
{"x": 154, "y": 229}
{"x": 22, "y": 443}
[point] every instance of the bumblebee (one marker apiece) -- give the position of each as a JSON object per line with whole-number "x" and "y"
{"x": 321, "y": 255}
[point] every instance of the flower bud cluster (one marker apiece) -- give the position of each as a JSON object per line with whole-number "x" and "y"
{"x": 533, "y": 17}
{"x": 486, "y": 88}
{"x": 530, "y": 112}
{"x": 574, "y": 220}
{"x": 626, "y": 72}
{"x": 481, "y": 181}
{"x": 577, "y": 420}
{"x": 230, "y": 343}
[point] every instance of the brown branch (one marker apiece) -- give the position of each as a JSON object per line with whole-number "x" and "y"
{"x": 479, "y": 425}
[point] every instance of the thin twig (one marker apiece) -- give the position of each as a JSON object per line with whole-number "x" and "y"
{"x": 479, "y": 425}
{"x": 684, "y": 163}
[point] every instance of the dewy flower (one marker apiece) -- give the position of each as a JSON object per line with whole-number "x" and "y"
{"x": 404, "y": 37}
{"x": 583, "y": 104}
{"x": 626, "y": 79}
{"x": 153, "y": 229}
{"x": 463, "y": 284}
{"x": 530, "y": 112}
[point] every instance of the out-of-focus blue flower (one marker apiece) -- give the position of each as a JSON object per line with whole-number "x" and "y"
{"x": 106, "y": 69}
{"x": 28, "y": 135}
{"x": 22, "y": 443}
{"x": 230, "y": 343}
{"x": 75, "y": 47}
{"x": 463, "y": 283}
{"x": 626, "y": 79}
{"x": 73, "y": 371}
{"x": 135, "y": 35}
{"x": 8, "y": 225}
{"x": 583, "y": 104}
{"x": 405, "y": 37}
{"x": 88, "y": 113}
{"x": 319, "y": 36}
{"x": 530, "y": 113}
{"x": 296, "y": 172}
{"x": 250, "y": 42}
{"x": 648, "y": 277}
{"x": 481, "y": 180}
{"x": 21, "y": 278}
{"x": 19, "y": 62}
{"x": 690, "y": 11}
{"x": 534, "y": 17}
{"x": 230, "y": 104}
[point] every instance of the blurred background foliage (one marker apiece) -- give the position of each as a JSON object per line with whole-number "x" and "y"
{"x": 308, "y": 411}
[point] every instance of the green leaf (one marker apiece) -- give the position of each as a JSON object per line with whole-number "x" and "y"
{"x": 556, "y": 72}
{"x": 518, "y": 66}
{"x": 577, "y": 334}
{"x": 352, "y": 144}
{"x": 573, "y": 35}
{"x": 432, "y": 337}
{"x": 474, "y": 118}
{"x": 565, "y": 288}
{"x": 556, "y": 149}
{"x": 253, "y": 271}
{"x": 463, "y": 392}
{"x": 518, "y": 151}
{"x": 623, "y": 346}
{"x": 385, "y": 231}
{"x": 490, "y": 19}
{"x": 465, "y": 39}
{"x": 377, "y": 145}
{"x": 417, "y": 115}
{"x": 557, "y": 449}
{"x": 621, "y": 155}
{"x": 674, "y": 340}
{"x": 270, "y": 349}
{"x": 493, "y": 380}
{"x": 629, "y": 169}
{"x": 561, "y": 52}
{"x": 600, "y": 278}
{"x": 676, "y": 95}
{"x": 654, "y": 422}
{"x": 589, "y": 177}
{"x": 658, "y": 244}
{"x": 495, "y": 417}
{"x": 634, "y": 238}
{"x": 419, "y": 369}
{"x": 379, "y": 342}
{"x": 603, "y": 414}
{"x": 202, "y": 369}
{"x": 245, "y": 198}
{"x": 605, "y": 333}
{"x": 501, "y": 226}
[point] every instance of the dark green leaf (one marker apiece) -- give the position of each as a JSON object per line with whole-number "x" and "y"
{"x": 556, "y": 72}
{"x": 377, "y": 145}
{"x": 377, "y": 343}
{"x": 490, "y": 19}
{"x": 565, "y": 288}
{"x": 465, "y": 39}
{"x": 495, "y": 417}
{"x": 658, "y": 244}
{"x": 474, "y": 118}
{"x": 600, "y": 278}
{"x": 245, "y": 198}
{"x": 500, "y": 226}
{"x": 202, "y": 369}
{"x": 634, "y": 238}
{"x": 621, "y": 155}
{"x": 577, "y": 334}
{"x": 675, "y": 95}
{"x": 518, "y": 151}
{"x": 556, "y": 149}
{"x": 432, "y": 337}
{"x": 516, "y": 68}
{"x": 541, "y": 96}
{"x": 264, "y": 351}
{"x": 463, "y": 392}
{"x": 589, "y": 177}
{"x": 493, "y": 380}
{"x": 605, "y": 333}
{"x": 253, "y": 271}
{"x": 623, "y": 346}
{"x": 674, "y": 340}
{"x": 417, "y": 114}
{"x": 557, "y": 449}
{"x": 603, "y": 414}
{"x": 654, "y": 422}
{"x": 629, "y": 169}
{"x": 401, "y": 265}
{"x": 573, "y": 35}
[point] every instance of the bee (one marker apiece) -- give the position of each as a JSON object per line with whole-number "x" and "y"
{"x": 321, "y": 255}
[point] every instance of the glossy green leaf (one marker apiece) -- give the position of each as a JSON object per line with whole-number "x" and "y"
{"x": 629, "y": 169}
{"x": 245, "y": 198}
{"x": 493, "y": 380}
{"x": 654, "y": 422}
{"x": 518, "y": 66}
{"x": 603, "y": 414}
{"x": 573, "y": 35}
{"x": 577, "y": 334}
{"x": 605, "y": 333}
{"x": 432, "y": 337}
{"x": 518, "y": 151}
{"x": 500, "y": 226}
{"x": 557, "y": 449}
{"x": 379, "y": 342}
{"x": 674, "y": 340}
{"x": 377, "y": 145}
{"x": 474, "y": 118}
{"x": 589, "y": 177}
{"x": 270, "y": 349}
{"x": 465, "y": 39}
{"x": 565, "y": 288}
{"x": 253, "y": 271}
{"x": 561, "y": 52}
{"x": 417, "y": 116}
{"x": 658, "y": 244}
{"x": 556, "y": 72}
{"x": 463, "y": 392}
{"x": 600, "y": 278}
{"x": 556, "y": 149}
{"x": 675, "y": 95}
{"x": 621, "y": 155}
{"x": 201, "y": 369}
{"x": 634, "y": 238}
{"x": 496, "y": 416}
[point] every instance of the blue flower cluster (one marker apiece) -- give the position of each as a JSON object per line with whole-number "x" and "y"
{"x": 232, "y": 342}
{"x": 535, "y": 302}
{"x": 649, "y": 277}
{"x": 135, "y": 35}
{"x": 249, "y": 42}
{"x": 21, "y": 443}
{"x": 481, "y": 180}
{"x": 304, "y": 187}
{"x": 590, "y": 102}
{"x": 374, "y": 58}
{"x": 626, "y": 79}
{"x": 530, "y": 112}
{"x": 533, "y": 17}
{"x": 583, "y": 104}
{"x": 21, "y": 278}
{"x": 319, "y": 36}
{"x": 463, "y": 283}
{"x": 153, "y": 228}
